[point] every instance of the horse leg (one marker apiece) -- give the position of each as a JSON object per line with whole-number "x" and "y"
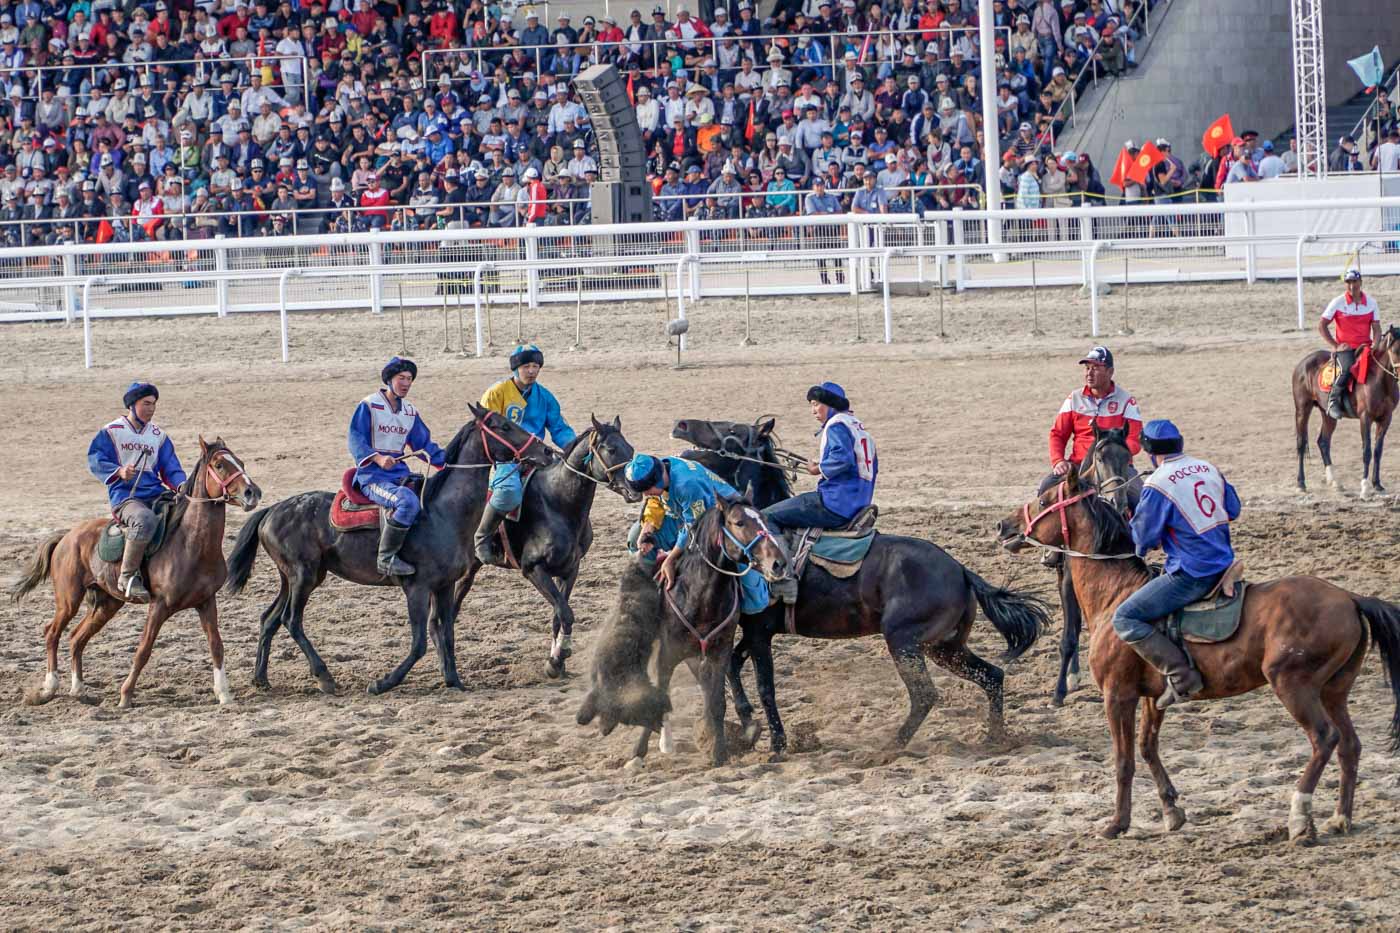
{"x": 561, "y": 626}
{"x": 67, "y": 598}
{"x": 712, "y": 670}
{"x": 418, "y": 598}
{"x": 99, "y": 615}
{"x": 909, "y": 662}
{"x": 444, "y": 623}
{"x": 271, "y": 622}
{"x": 464, "y": 585}
{"x": 1334, "y": 700}
{"x": 1365, "y": 455}
{"x": 1382, "y": 427}
{"x": 767, "y": 695}
{"x": 1324, "y": 447}
{"x": 1302, "y": 411}
{"x": 666, "y": 660}
{"x": 1121, "y": 709}
{"x": 209, "y": 621}
{"x": 958, "y": 660}
{"x": 155, "y": 618}
{"x": 1304, "y": 702}
{"x": 302, "y": 586}
{"x": 742, "y": 706}
{"x": 1069, "y": 638}
{"x": 1173, "y": 817}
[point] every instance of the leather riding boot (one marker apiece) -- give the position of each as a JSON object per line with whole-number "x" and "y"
{"x": 1161, "y": 652}
{"x": 1335, "y": 398}
{"x": 129, "y": 581}
{"x": 488, "y": 549}
{"x": 391, "y": 538}
{"x": 785, "y": 589}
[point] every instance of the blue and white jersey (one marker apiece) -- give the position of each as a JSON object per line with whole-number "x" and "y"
{"x": 127, "y": 441}
{"x": 376, "y": 428}
{"x": 1186, "y": 510}
{"x": 849, "y": 465}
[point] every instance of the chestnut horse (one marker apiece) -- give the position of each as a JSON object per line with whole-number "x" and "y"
{"x": 185, "y": 573}
{"x": 1302, "y": 636}
{"x": 1373, "y": 400}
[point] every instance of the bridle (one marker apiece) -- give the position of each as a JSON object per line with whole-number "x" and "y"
{"x": 516, "y": 452}
{"x": 224, "y": 482}
{"x": 595, "y": 453}
{"x": 722, "y": 540}
{"x": 1058, "y": 507}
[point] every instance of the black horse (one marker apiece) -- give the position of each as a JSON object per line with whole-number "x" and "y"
{"x": 297, "y": 535}
{"x": 696, "y": 624}
{"x": 912, "y": 592}
{"x": 743, "y": 455}
{"x": 554, "y": 531}
{"x": 1109, "y": 468}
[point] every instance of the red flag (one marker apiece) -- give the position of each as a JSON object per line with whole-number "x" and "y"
{"x": 105, "y": 233}
{"x": 864, "y": 49}
{"x": 1119, "y": 178}
{"x": 1217, "y": 136}
{"x": 1147, "y": 158}
{"x": 631, "y": 96}
{"x": 748, "y": 130}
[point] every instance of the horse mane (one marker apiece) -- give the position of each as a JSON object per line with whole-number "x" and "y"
{"x": 569, "y": 447}
{"x": 766, "y": 453}
{"x": 1111, "y": 532}
{"x": 451, "y": 452}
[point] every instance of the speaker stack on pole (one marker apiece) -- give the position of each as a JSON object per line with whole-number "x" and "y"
{"x": 621, "y": 194}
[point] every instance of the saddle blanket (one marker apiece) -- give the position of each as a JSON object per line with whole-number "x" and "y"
{"x": 839, "y": 553}
{"x": 1327, "y": 375}
{"x": 113, "y": 540}
{"x": 1209, "y": 621}
{"x": 352, "y": 510}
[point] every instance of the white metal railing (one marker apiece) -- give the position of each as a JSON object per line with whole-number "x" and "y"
{"x": 833, "y": 255}
{"x": 34, "y": 79}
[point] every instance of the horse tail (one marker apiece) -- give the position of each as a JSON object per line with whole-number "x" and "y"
{"x": 1019, "y": 617}
{"x": 1385, "y": 630}
{"x": 39, "y": 567}
{"x": 245, "y": 550}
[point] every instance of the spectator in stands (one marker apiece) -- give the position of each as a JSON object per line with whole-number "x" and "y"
{"x": 1386, "y": 158}
{"x": 1242, "y": 167}
{"x": 1346, "y": 157}
{"x": 1270, "y": 166}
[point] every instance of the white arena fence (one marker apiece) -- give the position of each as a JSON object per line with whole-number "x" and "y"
{"x": 471, "y": 270}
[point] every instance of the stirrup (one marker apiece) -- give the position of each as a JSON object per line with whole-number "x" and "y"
{"x": 134, "y": 589}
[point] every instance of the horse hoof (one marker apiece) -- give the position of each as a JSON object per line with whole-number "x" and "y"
{"x": 455, "y": 684}
{"x": 124, "y": 702}
{"x": 1173, "y": 818}
{"x": 554, "y": 668}
{"x": 667, "y": 742}
{"x": 751, "y": 733}
{"x": 1302, "y": 832}
{"x": 376, "y": 688}
{"x": 327, "y": 685}
{"x": 1113, "y": 830}
{"x": 1057, "y": 701}
{"x": 261, "y": 683}
{"x": 226, "y": 699}
{"x": 1338, "y": 826}
{"x": 1073, "y": 682}
{"x": 635, "y": 764}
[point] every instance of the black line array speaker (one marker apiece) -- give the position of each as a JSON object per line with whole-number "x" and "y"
{"x": 621, "y": 194}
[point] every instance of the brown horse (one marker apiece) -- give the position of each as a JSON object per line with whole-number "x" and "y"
{"x": 185, "y": 573}
{"x": 1302, "y": 636}
{"x": 1373, "y": 401}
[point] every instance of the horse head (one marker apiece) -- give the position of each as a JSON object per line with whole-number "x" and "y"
{"x": 507, "y": 442}
{"x": 609, "y": 454}
{"x": 746, "y": 540}
{"x": 1043, "y": 520}
{"x": 1109, "y": 468}
{"x": 224, "y": 476}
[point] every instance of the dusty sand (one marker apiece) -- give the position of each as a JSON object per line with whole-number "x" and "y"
{"x": 492, "y": 810}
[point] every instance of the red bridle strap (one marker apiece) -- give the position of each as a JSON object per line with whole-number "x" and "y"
{"x": 516, "y": 452}
{"x": 1057, "y": 507}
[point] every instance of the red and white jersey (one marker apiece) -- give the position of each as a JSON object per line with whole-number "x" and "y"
{"x": 1074, "y": 425}
{"x": 1352, "y": 320}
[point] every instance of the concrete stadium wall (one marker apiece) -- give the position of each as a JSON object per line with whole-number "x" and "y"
{"x": 1207, "y": 58}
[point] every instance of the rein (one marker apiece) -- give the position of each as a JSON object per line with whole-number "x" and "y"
{"x": 746, "y": 553}
{"x": 789, "y": 462}
{"x": 1058, "y": 508}
{"x": 704, "y": 640}
{"x": 594, "y": 454}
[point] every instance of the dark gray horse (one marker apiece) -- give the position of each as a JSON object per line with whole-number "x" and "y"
{"x": 743, "y": 455}
{"x": 1109, "y": 469}
{"x": 297, "y": 535}
{"x": 696, "y": 624}
{"x": 554, "y": 531}
{"x": 912, "y": 592}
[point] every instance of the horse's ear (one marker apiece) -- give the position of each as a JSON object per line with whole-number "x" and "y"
{"x": 203, "y": 447}
{"x": 594, "y": 420}
{"x": 477, "y": 411}
{"x": 766, "y": 427}
{"x": 1072, "y": 479}
{"x": 617, "y": 423}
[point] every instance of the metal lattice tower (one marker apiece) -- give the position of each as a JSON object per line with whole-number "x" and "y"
{"x": 1309, "y": 96}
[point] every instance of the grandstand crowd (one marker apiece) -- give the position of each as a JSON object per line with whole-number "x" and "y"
{"x": 180, "y": 120}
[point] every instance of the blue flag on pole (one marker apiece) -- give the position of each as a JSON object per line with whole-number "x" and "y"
{"x": 1369, "y": 68}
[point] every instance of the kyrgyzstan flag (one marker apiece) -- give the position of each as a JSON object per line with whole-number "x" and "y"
{"x": 1119, "y": 178}
{"x": 631, "y": 94}
{"x": 1217, "y": 136}
{"x": 1148, "y": 156}
{"x": 105, "y": 233}
{"x": 748, "y": 130}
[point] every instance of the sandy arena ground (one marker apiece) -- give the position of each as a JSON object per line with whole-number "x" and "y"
{"x": 492, "y": 810}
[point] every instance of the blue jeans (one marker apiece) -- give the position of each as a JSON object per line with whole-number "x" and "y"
{"x": 507, "y": 491}
{"x": 804, "y": 511}
{"x": 401, "y": 502}
{"x": 1159, "y": 598}
{"x": 753, "y": 588}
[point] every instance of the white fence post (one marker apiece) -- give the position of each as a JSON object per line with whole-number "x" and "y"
{"x": 692, "y": 248}
{"x": 87, "y": 319}
{"x": 940, "y": 238}
{"x": 70, "y": 292}
{"x": 1094, "y": 288}
{"x": 1298, "y": 269}
{"x": 376, "y": 281}
{"x": 532, "y": 275}
{"x": 221, "y": 283}
{"x": 1251, "y": 255}
{"x": 959, "y": 239}
{"x": 853, "y": 235}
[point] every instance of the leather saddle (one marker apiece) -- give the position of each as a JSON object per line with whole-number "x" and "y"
{"x": 113, "y": 540}
{"x": 1215, "y": 618}
{"x": 352, "y": 510}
